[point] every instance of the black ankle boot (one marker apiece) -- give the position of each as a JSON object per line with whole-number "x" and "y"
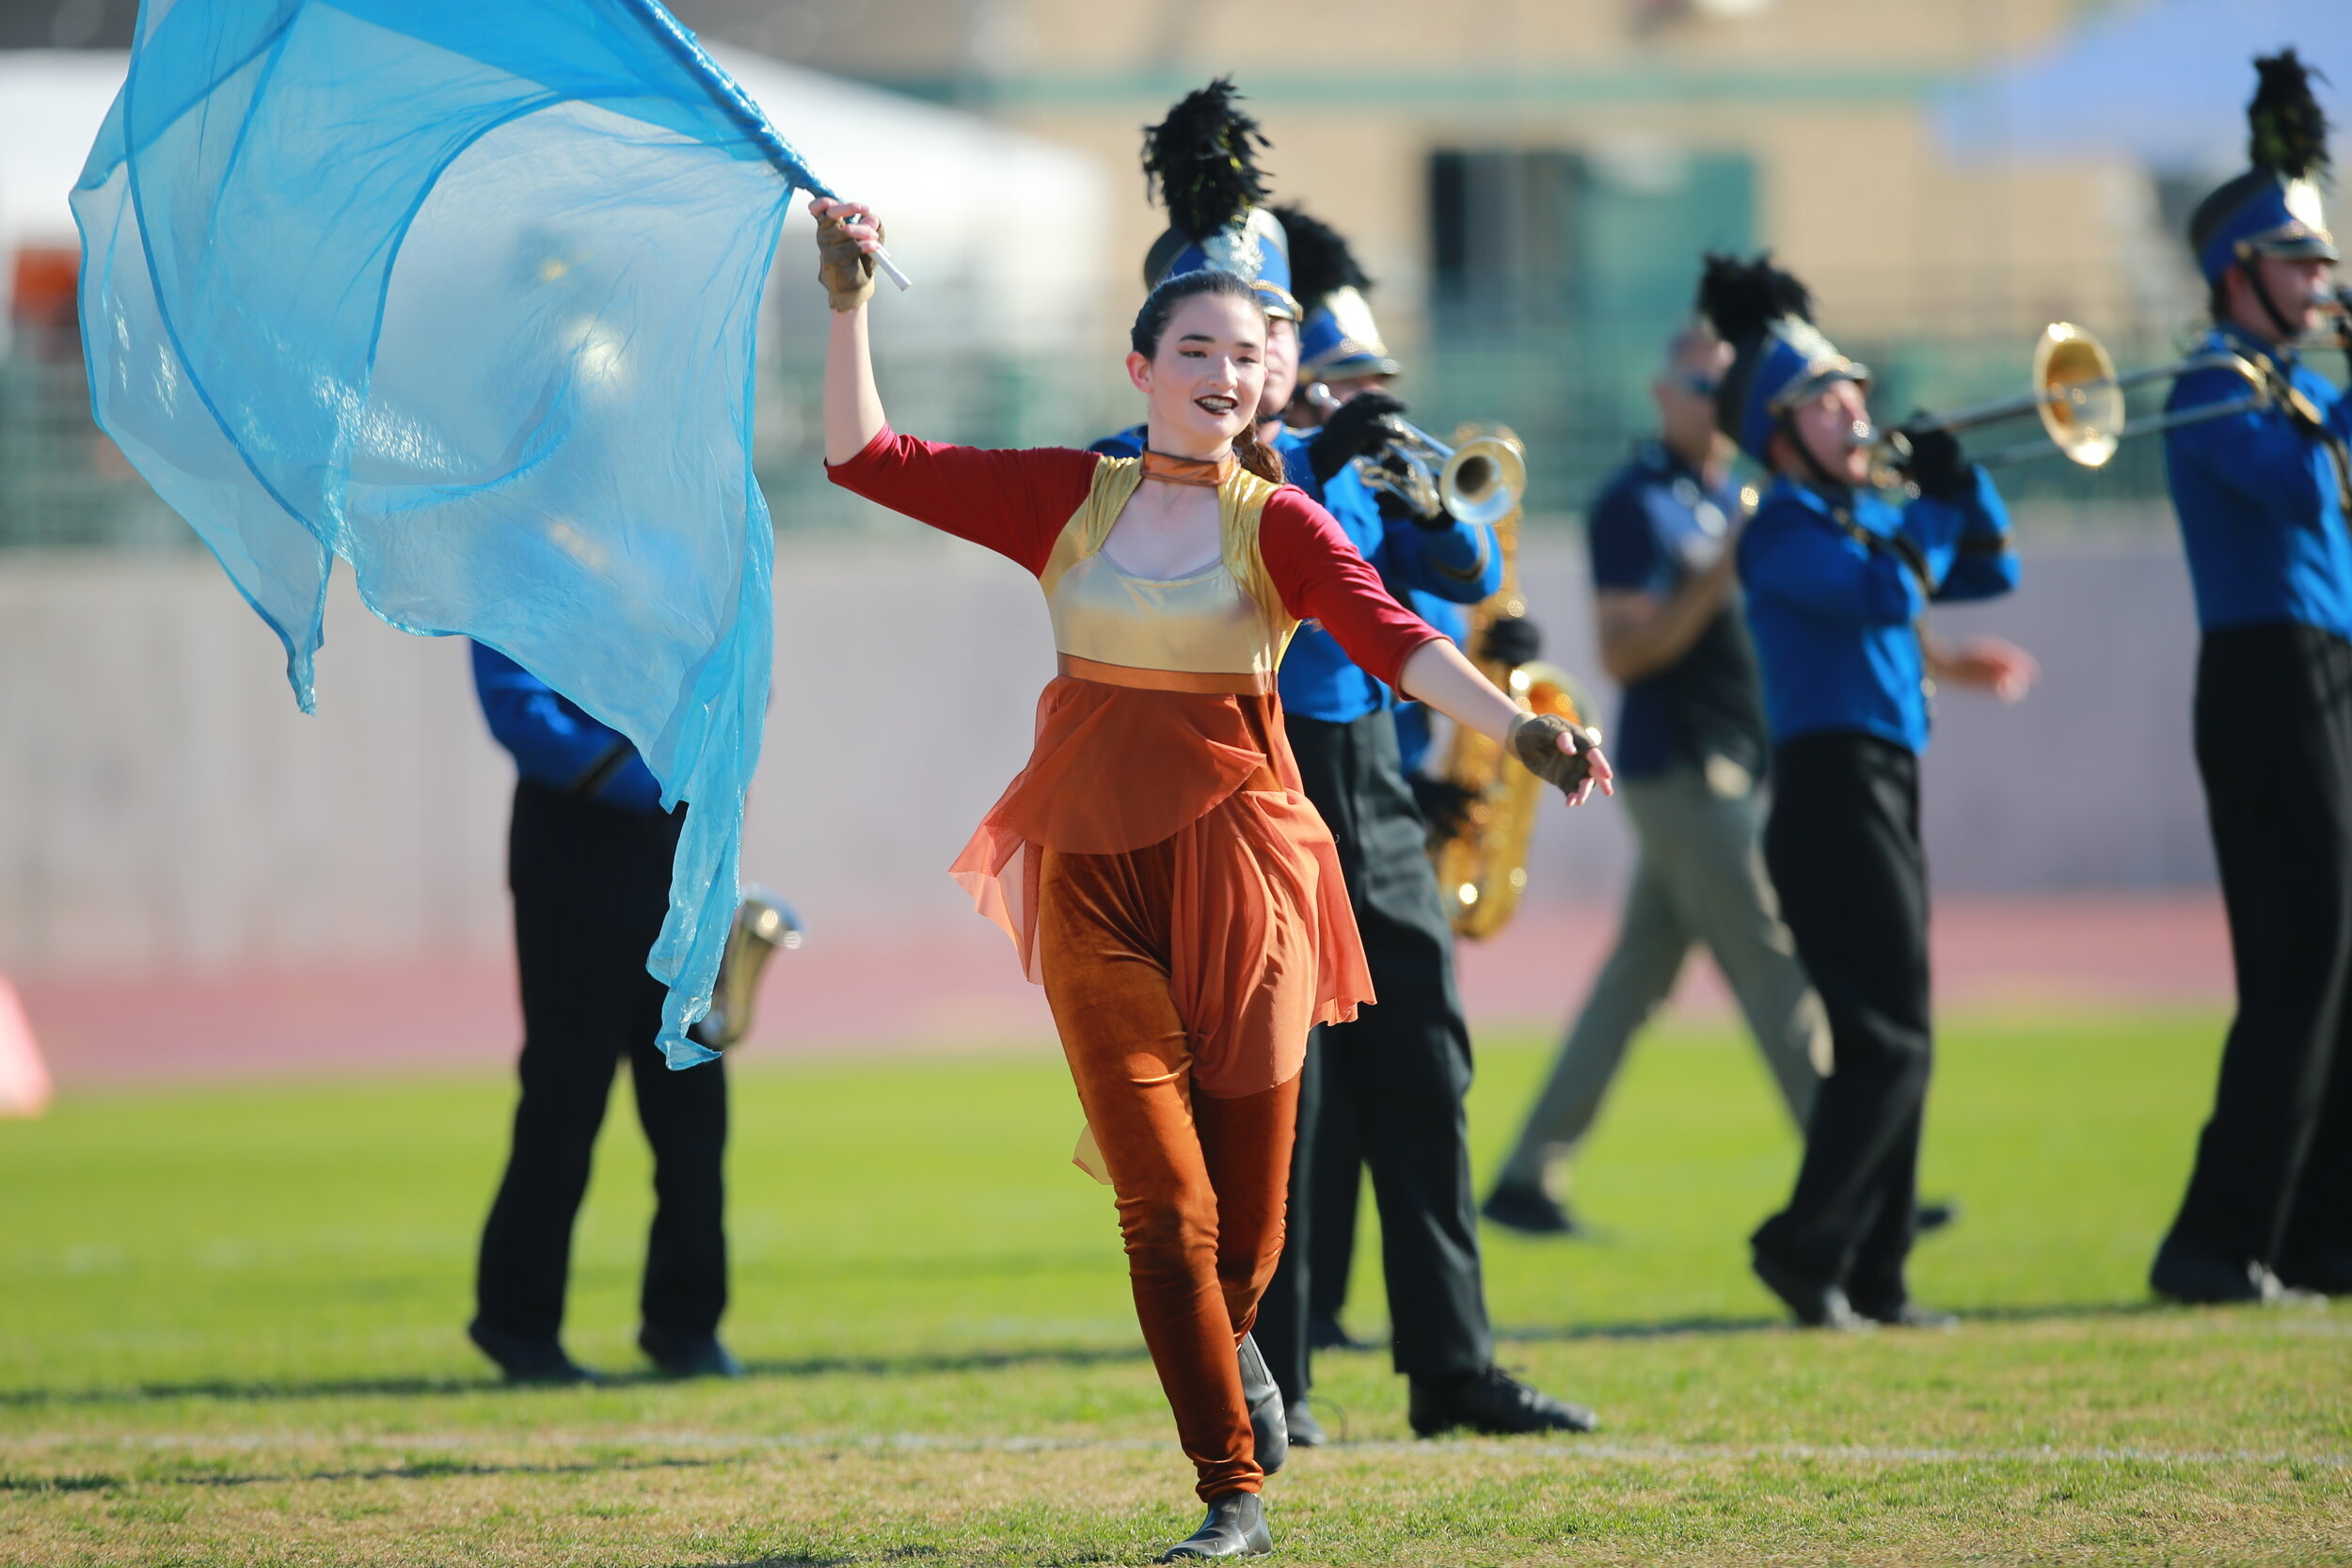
{"x": 1235, "y": 1528}
{"x": 1265, "y": 1399}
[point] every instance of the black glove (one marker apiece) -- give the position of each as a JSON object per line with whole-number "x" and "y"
{"x": 1938, "y": 465}
{"x": 1351, "y": 432}
{"x": 1444, "y": 805}
{"x": 1514, "y": 641}
{"x": 1536, "y": 741}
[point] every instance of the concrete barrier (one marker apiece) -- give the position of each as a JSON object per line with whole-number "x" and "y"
{"x": 164, "y": 809}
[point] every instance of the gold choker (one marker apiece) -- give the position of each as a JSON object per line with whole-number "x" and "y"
{"x": 1209, "y": 473}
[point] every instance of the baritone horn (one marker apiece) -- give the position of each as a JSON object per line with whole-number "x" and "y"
{"x": 1479, "y": 481}
{"x": 2077, "y": 394}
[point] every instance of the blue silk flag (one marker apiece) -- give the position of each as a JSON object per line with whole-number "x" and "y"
{"x": 464, "y": 293}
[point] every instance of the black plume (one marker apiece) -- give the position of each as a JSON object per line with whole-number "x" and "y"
{"x": 1742, "y": 298}
{"x": 1321, "y": 263}
{"x": 1203, "y": 158}
{"x": 2287, "y": 129}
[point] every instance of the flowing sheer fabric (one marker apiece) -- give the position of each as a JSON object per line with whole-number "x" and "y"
{"x": 464, "y": 291}
{"x": 1255, "y": 884}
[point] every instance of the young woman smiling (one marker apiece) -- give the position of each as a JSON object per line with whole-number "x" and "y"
{"x": 1157, "y": 863}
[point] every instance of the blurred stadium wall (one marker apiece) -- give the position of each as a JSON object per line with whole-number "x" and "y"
{"x": 163, "y": 810}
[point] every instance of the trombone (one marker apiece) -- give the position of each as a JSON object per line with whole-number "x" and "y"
{"x": 1479, "y": 481}
{"x": 2078, "y": 395}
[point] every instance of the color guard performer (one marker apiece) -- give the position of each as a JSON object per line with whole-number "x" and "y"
{"x": 1401, "y": 1072}
{"x": 1837, "y": 580}
{"x": 2262, "y": 498}
{"x": 1157, "y": 863}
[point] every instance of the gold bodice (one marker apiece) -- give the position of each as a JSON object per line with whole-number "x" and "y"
{"x": 1224, "y": 619}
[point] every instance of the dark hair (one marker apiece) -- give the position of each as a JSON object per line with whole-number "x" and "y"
{"x": 1159, "y": 307}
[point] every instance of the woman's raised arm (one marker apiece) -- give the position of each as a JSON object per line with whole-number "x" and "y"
{"x": 847, "y": 237}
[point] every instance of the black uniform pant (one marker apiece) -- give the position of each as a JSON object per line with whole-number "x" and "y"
{"x": 1843, "y": 848}
{"x": 2273, "y": 1182}
{"x": 590, "y": 885}
{"x": 1397, "y": 1076}
{"x": 1338, "y": 1186}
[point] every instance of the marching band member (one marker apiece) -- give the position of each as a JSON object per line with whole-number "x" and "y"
{"x": 588, "y": 860}
{"x": 2261, "y": 497}
{"x": 1837, "y": 580}
{"x": 1392, "y": 1083}
{"x": 1157, "y": 863}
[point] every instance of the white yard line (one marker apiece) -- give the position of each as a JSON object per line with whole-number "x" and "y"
{"x": 1602, "y": 1452}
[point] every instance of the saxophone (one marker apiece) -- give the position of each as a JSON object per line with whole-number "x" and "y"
{"x": 1482, "y": 866}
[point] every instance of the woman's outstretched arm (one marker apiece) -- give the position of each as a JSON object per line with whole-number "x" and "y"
{"x": 846, "y": 238}
{"x": 1321, "y": 574}
{"x": 1438, "y": 673}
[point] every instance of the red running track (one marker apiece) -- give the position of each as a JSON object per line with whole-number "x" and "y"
{"x": 960, "y": 989}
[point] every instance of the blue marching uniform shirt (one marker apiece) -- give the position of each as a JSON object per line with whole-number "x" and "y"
{"x": 1655, "y": 522}
{"x": 2259, "y": 499}
{"x": 1836, "y": 617}
{"x": 555, "y": 743}
{"x": 1457, "y": 563}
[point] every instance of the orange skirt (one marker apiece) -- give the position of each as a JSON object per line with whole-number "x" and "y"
{"x": 1261, "y": 941}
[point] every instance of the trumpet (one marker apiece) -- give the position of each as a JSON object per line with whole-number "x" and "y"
{"x": 1480, "y": 482}
{"x": 2077, "y": 394}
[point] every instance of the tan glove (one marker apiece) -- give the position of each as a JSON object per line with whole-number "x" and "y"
{"x": 846, "y": 272}
{"x": 1536, "y": 741}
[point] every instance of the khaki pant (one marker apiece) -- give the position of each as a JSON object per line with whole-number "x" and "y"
{"x": 1700, "y": 879}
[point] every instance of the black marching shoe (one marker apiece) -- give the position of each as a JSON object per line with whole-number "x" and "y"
{"x": 1904, "y": 1313}
{"x": 1815, "y": 1304}
{"x": 2326, "y": 1273}
{"x": 1305, "y": 1431}
{"x": 1235, "y": 1528}
{"x": 1493, "y": 1403}
{"x": 1324, "y": 1333}
{"x": 687, "y": 1354}
{"x": 524, "y": 1359}
{"x": 1265, "y": 1399}
{"x": 2186, "y": 1273}
{"x": 1529, "y": 1210}
{"x": 1930, "y": 1217}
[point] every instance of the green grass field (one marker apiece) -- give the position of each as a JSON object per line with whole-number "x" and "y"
{"x": 229, "y": 1333}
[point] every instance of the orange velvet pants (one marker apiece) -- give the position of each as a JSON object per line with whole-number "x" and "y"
{"x": 1200, "y": 1181}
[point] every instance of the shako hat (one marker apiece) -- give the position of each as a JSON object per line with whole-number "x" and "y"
{"x": 2273, "y": 208}
{"x": 1202, "y": 160}
{"x": 1339, "y": 340}
{"x": 1779, "y": 357}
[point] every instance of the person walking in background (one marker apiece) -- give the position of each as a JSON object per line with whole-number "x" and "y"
{"x": 1691, "y": 750}
{"x": 1837, "y": 580}
{"x": 2263, "y": 496}
{"x": 588, "y": 862}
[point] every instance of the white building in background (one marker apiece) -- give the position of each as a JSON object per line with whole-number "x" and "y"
{"x": 1003, "y": 230}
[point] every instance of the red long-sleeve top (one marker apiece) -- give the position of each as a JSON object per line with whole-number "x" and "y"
{"x": 1017, "y": 503}
{"x": 1117, "y": 766}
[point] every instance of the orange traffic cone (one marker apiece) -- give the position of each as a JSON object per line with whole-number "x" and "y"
{"x": 24, "y": 1086}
